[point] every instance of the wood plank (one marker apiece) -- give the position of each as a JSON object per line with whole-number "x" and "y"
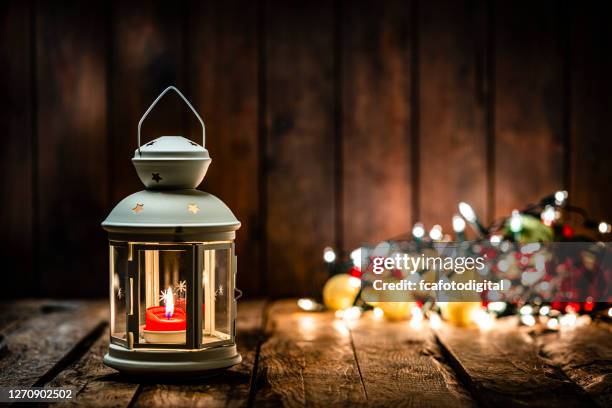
{"x": 16, "y": 156}
{"x": 227, "y": 389}
{"x": 95, "y": 384}
{"x": 40, "y": 345}
{"x": 14, "y": 313}
{"x": 306, "y": 360}
{"x": 147, "y": 56}
{"x": 71, "y": 145}
{"x": 376, "y": 115}
{"x": 299, "y": 144}
{"x": 452, "y": 106}
{"x": 529, "y": 137}
{"x": 403, "y": 366}
{"x": 585, "y": 355}
{"x": 591, "y": 110}
{"x": 514, "y": 373}
{"x": 224, "y": 69}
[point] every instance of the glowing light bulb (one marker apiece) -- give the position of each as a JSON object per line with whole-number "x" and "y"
{"x": 308, "y": 305}
{"x": 498, "y": 307}
{"x": 467, "y": 212}
{"x": 458, "y": 223}
{"x": 528, "y": 320}
{"x": 436, "y": 233}
{"x": 435, "y": 320}
{"x": 549, "y": 215}
{"x": 378, "y": 313}
{"x": 552, "y": 324}
{"x": 560, "y": 197}
{"x": 516, "y": 223}
{"x": 418, "y": 231}
{"x": 604, "y": 227}
{"x": 356, "y": 257}
{"x": 329, "y": 255}
{"x": 483, "y": 319}
{"x": 544, "y": 310}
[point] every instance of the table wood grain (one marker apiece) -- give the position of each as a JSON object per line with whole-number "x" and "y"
{"x": 293, "y": 358}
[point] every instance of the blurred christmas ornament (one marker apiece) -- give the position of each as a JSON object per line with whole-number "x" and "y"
{"x": 340, "y": 291}
{"x": 396, "y": 310}
{"x": 459, "y": 313}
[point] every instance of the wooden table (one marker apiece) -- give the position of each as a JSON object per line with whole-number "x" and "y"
{"x": 293, "y": 358}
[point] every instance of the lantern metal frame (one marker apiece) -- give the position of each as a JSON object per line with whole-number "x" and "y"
{"x": 165, "y": 225}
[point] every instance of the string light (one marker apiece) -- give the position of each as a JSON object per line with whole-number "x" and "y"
{"x": 378, "y": 313}
{"x": 553, "y": 323}
{"x": 548, "y": 216}
{"x": 467, "y": 212}
{"x": 329, "y": 255}
{"x": 544, "y": 310}
{"x": 495, "y": 239}
{"x": 516, "y": 223}
{"x": 458, "y": 223}
{"x": 604, "y": 227}
{"x": 497, "y": 307}
{"x": 436, "y": 233}
{"x": 356, "y": 257}
{"x": 560, "y": 197}
{"x": 309, "y": 305}
{"x": 418, "y": 231}
{"x": 417, "y": 317}
{"x": 528, "y": 320}
{"x": 435, "y": 321}
{"x": 483, "y": 319}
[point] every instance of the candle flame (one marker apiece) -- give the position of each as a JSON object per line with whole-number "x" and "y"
{"x": 169, "y": 303}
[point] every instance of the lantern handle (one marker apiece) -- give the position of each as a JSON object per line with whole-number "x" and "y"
{"x": 168, "y": 89}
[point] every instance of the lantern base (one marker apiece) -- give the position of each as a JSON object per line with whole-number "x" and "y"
{"x": 173, "y": 362}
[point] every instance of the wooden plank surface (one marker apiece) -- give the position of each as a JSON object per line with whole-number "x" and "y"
{"x": 227, "y": 389}
{"x": 375, "y": 123}
{"x": 591, "y": 110}
{"x": 47, "y": 341}
{"x": 585, "y": 356}
{"x": 95, "y": 384}
{"x": 453, "y": 89}
{"x": 403, "y": 366}
{"x": 299, "y": 144}
{"x": 223, "y": 54}
{"x": 306, "y": 360}
{"x": 71, "y": 146}
{"x": 503, "y": 367}
{"x": 16, "y": 156}
{"x": 529, "y": 138}
{"x": 147, "y": 56}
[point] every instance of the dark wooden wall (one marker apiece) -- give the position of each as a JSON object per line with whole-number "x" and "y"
{"x": 329, "y": 122}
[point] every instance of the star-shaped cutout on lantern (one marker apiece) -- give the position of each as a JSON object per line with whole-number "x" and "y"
{"x": 193, "y": 208}
{"x": 156, "y": 177}
{"x": 139, "y": 207}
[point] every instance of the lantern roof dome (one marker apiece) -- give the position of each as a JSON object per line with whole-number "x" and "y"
{"x": 171, "y": 212}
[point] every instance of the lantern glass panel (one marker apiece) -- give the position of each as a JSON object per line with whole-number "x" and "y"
{"x": 165, "y": 281}
{"x": 217, "y": 287}
{"x": 118, "y": 279}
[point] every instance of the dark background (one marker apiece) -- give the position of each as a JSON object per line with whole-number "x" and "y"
{"x": 329, "y": 122}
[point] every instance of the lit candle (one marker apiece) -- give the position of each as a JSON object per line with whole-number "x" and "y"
{"x": 165, "y": 324}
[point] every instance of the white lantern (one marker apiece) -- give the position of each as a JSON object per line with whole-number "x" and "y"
{"x": 172, "y": 265}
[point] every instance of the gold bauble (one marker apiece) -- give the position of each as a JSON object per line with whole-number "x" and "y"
{"x": 459, "y": 313}
{"x": 340, "y": 291}
{"x": 396, "y": 310}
